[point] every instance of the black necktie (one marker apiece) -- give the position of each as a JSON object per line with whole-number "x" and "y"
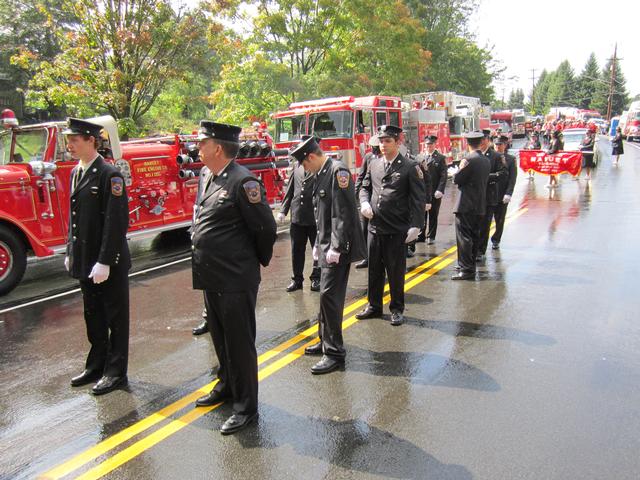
{"x": 78, "y": 177}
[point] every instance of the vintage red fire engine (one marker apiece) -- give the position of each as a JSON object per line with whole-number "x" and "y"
{"x": 343, "y": 124}
{"x": 161, "y": 176}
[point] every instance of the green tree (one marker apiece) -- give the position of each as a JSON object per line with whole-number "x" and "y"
{"x": 516, "y": 99}
{"x": 562, "y": 87}
{"x": 32, "y": 28}
{"x": 587, "y": 82}
{"x": 620, "y": 97}
{"x": 119, "y": 59}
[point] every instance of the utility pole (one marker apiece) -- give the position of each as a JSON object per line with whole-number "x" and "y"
{"x": 612, "y": 82}
{"x": 533, "y": 90}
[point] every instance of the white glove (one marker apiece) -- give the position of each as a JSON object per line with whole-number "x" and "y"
{"x": 66, "y": 263}
{"x": 438, "y": 194}
{"x": 427, "y": 207}
{"x": 281, "y": 217}
{"x": 412, "y": 234}
{"x": 316, "y": 253}
{"x": 99, "y": 273}
{"x": 333, "y": 256}
{"x": 506, "y": 199}
{"x": 366, "y": 210}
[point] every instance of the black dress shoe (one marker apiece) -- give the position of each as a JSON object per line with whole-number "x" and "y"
{"x": 397, "y": 319}
{"x": 237, "y": 422}
{"x": 108, "y": 384}
{"x": 464, "y": 276}
{"x": 211, "y": 398}
{"x": 368, "y": 313}
{"x": 431, "y": 241}
{"x": 314, "y": 349}
{"x": 362, "y": 264}
{"x": 421, "y": 238}
{"x": 200, "y": 329}
{"x": 315, "y": 285}
{"x": 495, "y": 246}
{"x": 327, "y": 364}
{"x": 85, "y": 378}
{"x": 293, "y": 286}
{"x": 410, "y": 253}
{"x": 481, "y": 259}
{"x": 458, "y": 268}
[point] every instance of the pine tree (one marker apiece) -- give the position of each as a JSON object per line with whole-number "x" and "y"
{"x": 587, "y": 82}
{"x": 562, "y": 88}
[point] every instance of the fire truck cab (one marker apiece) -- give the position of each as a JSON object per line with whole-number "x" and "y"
{"x": 343, "y": 124}
{"x": 161, "y": 178}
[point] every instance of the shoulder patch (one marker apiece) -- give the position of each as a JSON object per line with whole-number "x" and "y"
{"x": 252, "y": 190}
{"x": 419, "y": 170}
{"x": 342, "y": 176}
{"x": 117, "y": 186}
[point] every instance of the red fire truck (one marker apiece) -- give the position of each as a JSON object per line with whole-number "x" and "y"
{"x": 161, "y": 176}
{"x": 515, "y": 119}
{"x": 445, "y": 114}
{"x": 343, "y": 124}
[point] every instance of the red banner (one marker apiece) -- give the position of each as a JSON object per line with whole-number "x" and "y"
{"x": 555, "y": 164}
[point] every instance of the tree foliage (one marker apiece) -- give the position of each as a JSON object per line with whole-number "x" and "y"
{"x": 516, "y": 99}
{"x": 587, "y": 82}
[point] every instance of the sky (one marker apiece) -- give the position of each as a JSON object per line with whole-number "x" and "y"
{"x": 539, "y": 34}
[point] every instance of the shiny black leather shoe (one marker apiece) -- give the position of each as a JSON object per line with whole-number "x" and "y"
{"x": 397, "y": 319}
{"x": 362, "y": 264}
{"x": 410, "y": 253}
{"x": 421, "y": 238}
{"x": 431, "y": 241}
{"x": 237, "y": 422}
{"x": 495, "y": 246}
{"x": 85, "y": 378}
{"x": 293, "y": 286}
{"x": 315, "y": 285}
{"x": 464, "y": 276}
{"x": 314, "y": 349}
{"x": 108, "y": 384}
{"x": 368, "y": 313}
{"x": 481, "y": 259}
{"x": 211, "y": 398}
{"x": 201, "y": 329}
{"x": 327, "y": 364}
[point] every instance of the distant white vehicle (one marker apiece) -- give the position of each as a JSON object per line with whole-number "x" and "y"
{"x": 573, "y": 140}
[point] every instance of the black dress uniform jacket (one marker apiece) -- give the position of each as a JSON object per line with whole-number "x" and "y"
{"x": 472, "y": 182}
{"x": 337, "y": 214}
{"x": 387, "y": 192}
{"x": 234, "y": 232}
{"x": 508, "y": 182}
{"x": 497, "y": 173}
{"x": 436, "y": 166}
{"x": 298, "y": 197}
{"x": 99, "y": 220}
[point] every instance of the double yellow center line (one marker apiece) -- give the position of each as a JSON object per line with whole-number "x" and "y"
{"x": 308, "y": 336}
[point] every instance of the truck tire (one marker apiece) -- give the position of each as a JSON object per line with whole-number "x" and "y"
{"x": 13, "y": 259}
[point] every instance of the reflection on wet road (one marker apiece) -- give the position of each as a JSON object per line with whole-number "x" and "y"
{"x": 530, "y": 372}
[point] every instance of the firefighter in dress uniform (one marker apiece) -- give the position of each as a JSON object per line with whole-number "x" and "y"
{"x": 472, "y": 178}
{"x": 298, "y": 200}
{"x": 505, "y": 190}
{"x": 234, "y": 232}
{"x": 393, "y": 198}
{"x": 374, "y": 143}
{"x": 98, "y": 256}
{"x": 203, "y": 327}
{"x": 493, "y": 198}
{"x": 436, "y": 167}
{"x": 338, "y": 244}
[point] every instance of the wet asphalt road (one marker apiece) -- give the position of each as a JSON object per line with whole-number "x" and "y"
{"x": 531, "y": 372}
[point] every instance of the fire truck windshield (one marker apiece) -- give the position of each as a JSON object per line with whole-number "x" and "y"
{"x": 332, "y": 124}
{"x": 5, "y": 145}
{"x": 29, "y": 145}
{"x": 290, "y": 128}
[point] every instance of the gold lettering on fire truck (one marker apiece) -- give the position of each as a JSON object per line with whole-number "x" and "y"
{"x": 150, "y": 168}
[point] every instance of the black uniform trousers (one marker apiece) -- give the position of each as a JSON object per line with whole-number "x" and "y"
{"x": 500, "y": 214}
{"x": 333, "y": 289}
{"x": 106, "y": 314}
{"x": 467, "y": 240}
{"x": 485, "y": 227}
{"x": 300, "y": 235}
{"x": 232, "y": 324}
{"x": 387, "y": 253}
{"x": 431, "y": 220}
